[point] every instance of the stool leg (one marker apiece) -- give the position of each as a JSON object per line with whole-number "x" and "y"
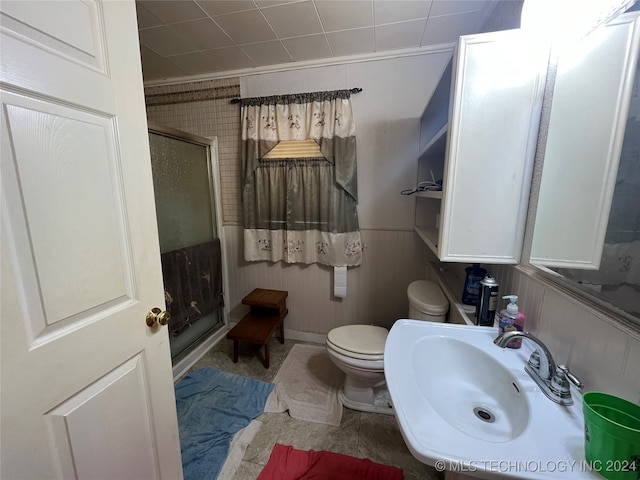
{"x": 266, "y": 355}
{"x": 235, "y": 351}
{"x": 281, "y": 336}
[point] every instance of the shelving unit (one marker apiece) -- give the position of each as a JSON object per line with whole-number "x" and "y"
{"x": 433, "y": 124}
{"x": 429, "y": 235}
{"x": 431, "y": 159}
{"x": 452, "y": 285}
{"x": 437, "y": 143}
{"x": 478, "y": 134}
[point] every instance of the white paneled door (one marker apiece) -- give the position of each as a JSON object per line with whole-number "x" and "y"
{"x": 87, "y": 388}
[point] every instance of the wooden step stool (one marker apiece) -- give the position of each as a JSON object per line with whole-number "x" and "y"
{"x": 268, "y": 309}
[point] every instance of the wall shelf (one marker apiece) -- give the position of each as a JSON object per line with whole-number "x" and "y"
{"x": 435, "y": 117}
{"x": 437, "y": 144}
{"x": 430, "y": 194}
{"x": 429, "y": 235}
{"x": 452, "y": 286}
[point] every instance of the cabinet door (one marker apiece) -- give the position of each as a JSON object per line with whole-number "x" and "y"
{"x": 586, "y": 130}
{"x": 498, "y": 84}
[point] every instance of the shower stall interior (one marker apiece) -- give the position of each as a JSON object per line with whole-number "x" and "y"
{"x": 188, "y": 232}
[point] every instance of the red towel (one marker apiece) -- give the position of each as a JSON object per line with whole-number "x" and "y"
{"x": 287, "y": 463}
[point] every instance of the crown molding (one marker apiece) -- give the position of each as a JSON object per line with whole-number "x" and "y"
{"x": 324, "y": 62}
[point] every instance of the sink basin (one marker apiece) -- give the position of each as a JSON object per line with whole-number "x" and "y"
{"x": 468, "y": 406}
{"x": 469, "y": 389}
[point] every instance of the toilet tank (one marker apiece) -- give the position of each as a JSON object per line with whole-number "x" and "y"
{"x": 427, "y": 301}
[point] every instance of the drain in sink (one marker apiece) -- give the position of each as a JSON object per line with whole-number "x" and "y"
{"x": 484, "y": 414}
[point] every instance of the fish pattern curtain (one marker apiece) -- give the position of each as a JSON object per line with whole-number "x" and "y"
{"x": 300, "y": 210}
{"x": 192, "y": 284}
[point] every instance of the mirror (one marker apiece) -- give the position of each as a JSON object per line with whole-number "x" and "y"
{"x": 587, "y": 220}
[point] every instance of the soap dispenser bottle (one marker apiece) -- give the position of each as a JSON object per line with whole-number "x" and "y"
{"x": 510, "y": 319}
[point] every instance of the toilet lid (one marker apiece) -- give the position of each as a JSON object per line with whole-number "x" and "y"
{"x": 359, "y": 339}
{"x": 427, "y": 297}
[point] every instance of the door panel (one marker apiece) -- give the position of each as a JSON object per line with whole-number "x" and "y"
{"x": 117, "y": 400}
{"x": 77, "y": 36}
{"x": 87, "y": 387}
{"x": 94, "y": 255}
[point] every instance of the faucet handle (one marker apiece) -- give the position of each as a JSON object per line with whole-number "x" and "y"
{"x": 560, "y": 384}
{"x": 570, "y": 376}
{"x": 534, "y": 359}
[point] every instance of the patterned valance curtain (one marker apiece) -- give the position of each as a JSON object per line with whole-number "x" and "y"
{"x": 300, "y": 210}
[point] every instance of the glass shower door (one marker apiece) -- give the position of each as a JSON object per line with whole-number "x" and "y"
{"x": 189, "y": 243}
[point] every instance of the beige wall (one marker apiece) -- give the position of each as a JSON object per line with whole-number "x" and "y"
{"x": 376, "y": 291}
{"x": 604, "y": 354}
{"x": 387, "y": 120}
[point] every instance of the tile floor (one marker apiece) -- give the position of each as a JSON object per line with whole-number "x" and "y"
{"x": 363, "y": 435}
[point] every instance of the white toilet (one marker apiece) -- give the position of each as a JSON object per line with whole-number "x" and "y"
{"x": 358, "y": 350}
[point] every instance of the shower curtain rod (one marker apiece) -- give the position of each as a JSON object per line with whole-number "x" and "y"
{"x": 352, "y": 90}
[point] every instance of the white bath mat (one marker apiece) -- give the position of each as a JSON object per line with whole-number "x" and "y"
{"x": 307, "y": 385}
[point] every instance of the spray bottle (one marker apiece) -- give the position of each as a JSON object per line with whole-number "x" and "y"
{"x": 487, "y": 302}
{"x": 511, "y": 319}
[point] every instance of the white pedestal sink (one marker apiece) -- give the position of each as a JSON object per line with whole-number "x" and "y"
{"x": 468, "y": 407}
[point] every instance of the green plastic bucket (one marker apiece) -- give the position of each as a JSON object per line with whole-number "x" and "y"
{"x": 612, "y": 436}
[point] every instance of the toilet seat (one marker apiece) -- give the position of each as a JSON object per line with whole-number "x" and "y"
{"x": 364, "y": 342}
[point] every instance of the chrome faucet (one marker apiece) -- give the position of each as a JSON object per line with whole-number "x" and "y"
{"x": 552, "y": 379}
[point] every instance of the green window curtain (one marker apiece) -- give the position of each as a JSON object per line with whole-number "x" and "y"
{"x": 301, "y": 210}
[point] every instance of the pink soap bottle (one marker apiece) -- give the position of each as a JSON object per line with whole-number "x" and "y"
{"x": 510, "y": 319}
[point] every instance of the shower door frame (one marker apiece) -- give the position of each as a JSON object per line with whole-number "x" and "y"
{"x": 213, "y": 169}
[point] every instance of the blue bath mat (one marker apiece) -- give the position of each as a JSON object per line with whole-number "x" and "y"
{"x": 212, "y": 406}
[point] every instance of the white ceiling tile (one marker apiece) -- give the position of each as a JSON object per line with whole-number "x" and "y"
{"x": 213, "y": 60}
{"x": 351, "y": 42}
{"x": 448, "y": 28}
{"x": 179, "y": 29}
{"x": 146, "y": 19}
{"x": 203, "y": 34}
{"x": 399, "y": 35}
{"x": 164, "y": 42}
{"x": 391, "y": 11}
{"x": 230, "y": 58}
{"x": 345, "y": 14}
{"x": 271, "y": 3}
{"x": 267, "y": 53}
{"x": 194, "y": 63}
{"x": 293, "y": 19}
{"x": 224, "y": 7}
{"x": 246, "y": 27}
{"x": 307, "y": 48}
{"x": 155, "y": 67}
{"x": 447, "y": 7}
{"x": 173, "y": 11}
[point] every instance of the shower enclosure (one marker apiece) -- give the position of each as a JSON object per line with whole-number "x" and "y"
{"x": 188, "y": 230}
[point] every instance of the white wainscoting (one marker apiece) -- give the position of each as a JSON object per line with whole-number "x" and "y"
{"x": 603, "y": 353}
{"x": 376, "y": 290}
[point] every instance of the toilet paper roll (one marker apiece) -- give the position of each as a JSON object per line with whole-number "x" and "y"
{"x": 340, "y": 282}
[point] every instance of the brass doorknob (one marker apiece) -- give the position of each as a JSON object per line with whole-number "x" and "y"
{"x": 157, "y": 317}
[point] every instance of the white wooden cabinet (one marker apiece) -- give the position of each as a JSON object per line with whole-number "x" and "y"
{"x": 478, "y": 133}
{"x": 591, "y": 102}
